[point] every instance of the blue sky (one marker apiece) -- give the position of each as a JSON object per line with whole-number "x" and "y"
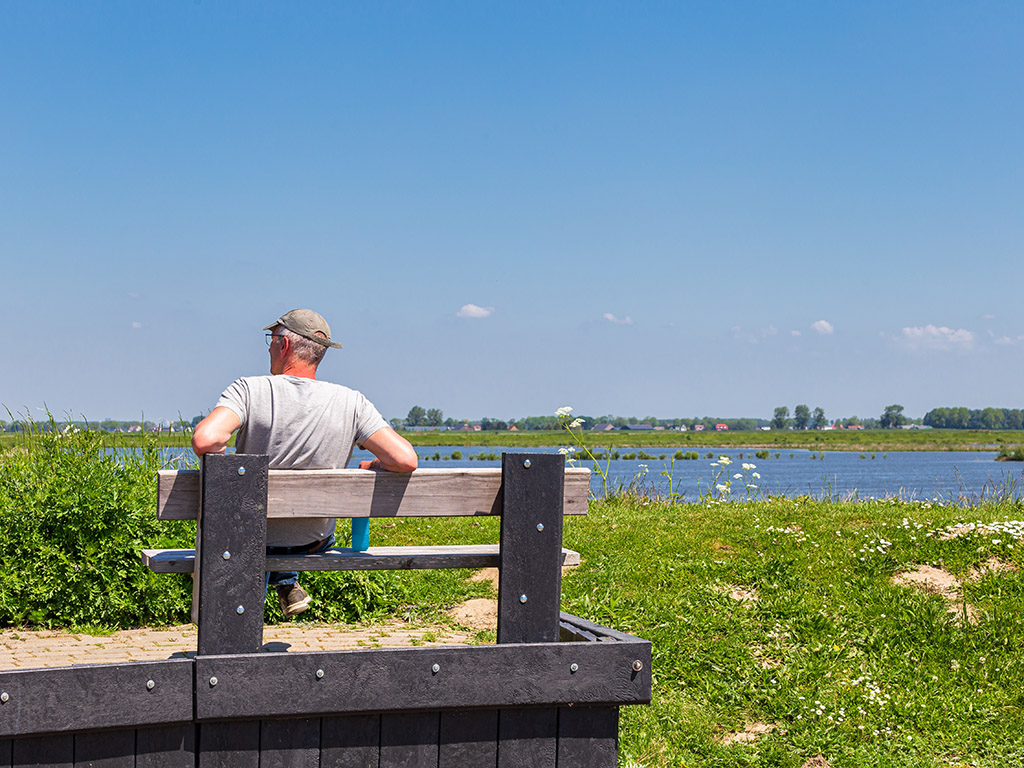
{"x": 669, "y": 209}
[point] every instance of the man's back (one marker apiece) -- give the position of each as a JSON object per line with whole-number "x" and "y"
{"x": 300, "y": 423}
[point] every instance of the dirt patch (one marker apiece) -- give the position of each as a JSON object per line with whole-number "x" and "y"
{"x": 958, "y": 612}
{"x": 479, "y": 613}
{"x": 486, "y": 574}
{"x": 818, "y": 761}
{"x": 993, "y": 566}
{"x": 936, "y": 581}
{"x": 739, "y": 593}
{"x": 751, "y": 733}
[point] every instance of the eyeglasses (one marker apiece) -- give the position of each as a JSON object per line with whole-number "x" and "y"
{"x": 272, "y": 336}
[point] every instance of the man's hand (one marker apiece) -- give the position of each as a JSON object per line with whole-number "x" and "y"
{"x": 212, "y": 434}
{"x": 393, "y": 452}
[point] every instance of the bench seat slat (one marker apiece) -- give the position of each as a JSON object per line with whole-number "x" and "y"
{"x": 343, "y": 559}
{"x": 367, "y": 493}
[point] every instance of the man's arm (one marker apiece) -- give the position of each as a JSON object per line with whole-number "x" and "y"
{"x": 212, "y": 434}
{"x": 393, "y": 452}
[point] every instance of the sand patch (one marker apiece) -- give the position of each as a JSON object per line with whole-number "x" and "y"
{"x": 740, "y": 593}
{"x": 818, "y": 761}
{"x": 993, "y": 566}
{"x": 486, "y": 574}
{"x": 751, "y": 733}
{"x": 479, "y": 613}
{"x": 938, "y": 581}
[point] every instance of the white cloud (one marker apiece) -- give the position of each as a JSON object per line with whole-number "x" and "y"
{"x": 753, "y": 336}
{"x": 937, "y": 337}
{"x": 988, "y": 317}
{"x": 1007, "y": 340}
{"x": 617, "y": 320}
{"x": 474, "y": 312}
{"x": 824, "y": 327}
{"x": 136, "y": 324}
{"x": 794, "y": 333}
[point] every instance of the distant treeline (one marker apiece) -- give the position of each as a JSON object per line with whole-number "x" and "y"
{"x": 976, "y": 418}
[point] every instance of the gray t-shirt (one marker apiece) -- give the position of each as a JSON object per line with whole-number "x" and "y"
{"x": 301, "y": 424}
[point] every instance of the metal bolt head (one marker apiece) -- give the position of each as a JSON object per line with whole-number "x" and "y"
{"x": 5, "y": 697}
{"x": 540, "y": 526}
{"x": 240, "y": 610}
{"x": 241, "y": 470}
{"x": 638, "y": 665}
{"x": 319, "y": 674}
{"x": 522, "y": 598}
{"x": 226, "y": 555}
{"x": 526, "y": 463}
{"x": 436, "y": 668}
{"x": 574, "y": 667}
{"x": 150, "y": 685}
{"x": 213, "y": 681}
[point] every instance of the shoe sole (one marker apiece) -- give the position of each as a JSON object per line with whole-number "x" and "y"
{"x": 294, "y": 609}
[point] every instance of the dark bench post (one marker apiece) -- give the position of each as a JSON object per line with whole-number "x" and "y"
{"x": 529, "y": 592}
{"x": 530, "y": 576}
{"x": 231, "y": 538}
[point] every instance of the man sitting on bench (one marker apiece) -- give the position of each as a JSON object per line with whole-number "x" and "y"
{"x": 301, "y": 423}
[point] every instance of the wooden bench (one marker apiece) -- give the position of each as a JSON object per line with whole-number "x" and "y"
{"x": 362, "y": 493}
{"x": 546, "y": 694}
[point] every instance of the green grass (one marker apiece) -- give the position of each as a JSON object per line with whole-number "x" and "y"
{"x": 900, "y": 682}
{"x": 833, "y": 440}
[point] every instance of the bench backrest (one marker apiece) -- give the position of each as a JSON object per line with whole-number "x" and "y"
{"x": 366, "y": 493}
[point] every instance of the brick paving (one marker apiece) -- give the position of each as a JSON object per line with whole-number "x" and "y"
{"x": 30, "y": 649}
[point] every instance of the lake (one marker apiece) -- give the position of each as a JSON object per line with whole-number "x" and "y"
{"x": 943, "y": 475}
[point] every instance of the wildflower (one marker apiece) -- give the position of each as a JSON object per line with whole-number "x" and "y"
{"x": 567, "y": 451}
{"x": 737, "y": 476}
{"x": 749, "y": 466}
{"x": 756, "y": 475}
{"x": 565, "y": 410}
{"x": 721, "y": 488}
{"x": 576, "y": 423}
{"x": 725, "y": 461}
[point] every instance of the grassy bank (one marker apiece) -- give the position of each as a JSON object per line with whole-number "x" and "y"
{"x": 777, "y": 621}
{"x": 833, "y": 440}
{"x": 786, "y": 613}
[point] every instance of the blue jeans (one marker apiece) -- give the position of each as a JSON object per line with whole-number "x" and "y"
{"x": 283, "y": 578}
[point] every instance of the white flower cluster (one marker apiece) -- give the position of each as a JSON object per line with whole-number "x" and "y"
{"x": 872, "y": 692}
{"x": 565, "y": 410}
{"x": 798, "y": 535}
{"x": 879, "y": 545}
{"x": 819, "y": 709}
{"x": 1013, "y": 529}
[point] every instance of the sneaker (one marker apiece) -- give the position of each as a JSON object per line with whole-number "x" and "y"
{"x": 294, "y": 599}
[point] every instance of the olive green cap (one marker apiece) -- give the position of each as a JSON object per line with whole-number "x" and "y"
{"x": 308, "y": 324}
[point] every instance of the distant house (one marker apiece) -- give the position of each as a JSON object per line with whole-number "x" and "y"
{"x": 855, "y": 426}
{"x": 513, "y": 428}
{"x": 682, "y": 427}
{"x": 765, "y": 429}
{"x": 464, "y": 428}
{"x": 638, "y": 427}
{"x": 698, "y": 427}
{"x": 602, "y": 427}
{"x": 721, "y": 427}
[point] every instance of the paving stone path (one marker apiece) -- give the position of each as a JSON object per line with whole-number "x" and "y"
{"x": 25, "y": 649}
